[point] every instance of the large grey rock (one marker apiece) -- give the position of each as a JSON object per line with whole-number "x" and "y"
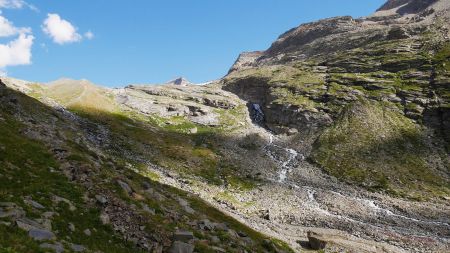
{"x": 125, "y": 186}
{"x": 57, "y": 247}
{"x": 28, "y": 224}
{"x": 186, "y": 206}
{"x": 316, "y": 241}
{"x": 206, "y": 225}
{"x": 101, "y": 199}
{"x": 77, "y": 248}
{"x": 34, "y": 204}
{"x": 181, "y": 247}
{"x": 58, "y": 199}
{"x": 183, "y": 236}
{"x": 104, "y": 218}
{"x": 41, "y": 235}
{"x": 11, "y": 211}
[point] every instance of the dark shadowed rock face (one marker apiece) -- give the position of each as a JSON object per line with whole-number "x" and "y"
{"x": 407, "y": 6}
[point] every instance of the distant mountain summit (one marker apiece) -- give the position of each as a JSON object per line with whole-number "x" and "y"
{"x": 181, "y": 81}
{"x": 407, "y": 6}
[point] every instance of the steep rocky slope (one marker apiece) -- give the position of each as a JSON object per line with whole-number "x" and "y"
{"x": 375, "y": 89}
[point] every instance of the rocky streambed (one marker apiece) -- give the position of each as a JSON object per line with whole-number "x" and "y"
{"x": 298, "y": 197}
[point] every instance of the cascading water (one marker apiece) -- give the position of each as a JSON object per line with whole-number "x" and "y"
{"x": 289, "y": 161}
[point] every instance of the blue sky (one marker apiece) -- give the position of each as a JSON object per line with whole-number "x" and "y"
{"x": 150, "y": 41}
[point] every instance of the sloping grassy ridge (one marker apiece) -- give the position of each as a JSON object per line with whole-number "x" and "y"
{"x": 380, "y": 149}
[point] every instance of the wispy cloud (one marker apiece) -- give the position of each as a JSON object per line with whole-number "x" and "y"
{"x": 89, "y": 35}
{"x": 8, "y": 29}
{"x": 16, "y": 4}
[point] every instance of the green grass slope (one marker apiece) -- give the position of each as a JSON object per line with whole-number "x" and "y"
{"x": 31, "y": 169}
{"x": 380, "y": 149}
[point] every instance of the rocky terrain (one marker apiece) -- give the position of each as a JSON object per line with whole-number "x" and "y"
{"x": 335, "y": 139}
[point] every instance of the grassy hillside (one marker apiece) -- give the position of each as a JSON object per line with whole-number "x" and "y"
{"x": 50, "y": 174}
{"x": 380, "y": 149}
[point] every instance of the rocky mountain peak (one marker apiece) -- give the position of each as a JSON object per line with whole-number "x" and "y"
{"x": 181, "y": 81}
{"x": 403, "y": 7}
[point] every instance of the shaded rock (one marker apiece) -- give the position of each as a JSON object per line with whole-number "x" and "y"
{"x": 101, "y": 199}
{"x": 28, "y": 224}
{"x": 11, "y": 211}
{"x": 183, "y": 203}
{"x": 217, "y": 249}
{"x": 41, "y": 235}
{"x": 104, "y": 218}
{"x": 206, "y": 225}
{"x": 221, "y": 226}
{"x": 77, "y": 248}
{"x": 125, "y": 186}
{"x": 242, "y": 234}
{"x": 181, "y": 247}
{"x": 215, "y": 239}
{"x": 146, "y": 185}
{"x": 57, "y": 247}
{"x": 183, "y": 236}
{"x": 87, "y": 232}
{"x": 33, "y": 204}
{"x": 148, "y": 209}
{"x": 58, "y": 199}
{"x": 193, "y": 130}
{"x": 316, "y": 241}
{"x": 5, "y": 223}
{"x": 72, "y": 227}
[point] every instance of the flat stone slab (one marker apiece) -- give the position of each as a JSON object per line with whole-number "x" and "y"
{"x": 77, "y": 248}
{"x": 28, "y": 224}
{"x": 181, "y": 247}
{"x": 57, "y": 247}
{"x": 41, "y": 235}
{"x": 183, "y": 236}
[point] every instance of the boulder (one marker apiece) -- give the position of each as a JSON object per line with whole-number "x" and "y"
{"x": 77, "y": 248}
{"x": 101, "y": 199}
{"x": 181, "y": 247}
{"x": 87, "y": 232}
{"x": 57, "y": 247}
{"x": 125, "y": 186}
{"x": 206, "y": 225}
{"x": 33, "y": 203}
{"x": 41, "y": 234}
{"x": 104, "y": 218}
{"x": 183, "y": 236}
{"x": 316, "y": 241}
{"x": 28, "y": 224}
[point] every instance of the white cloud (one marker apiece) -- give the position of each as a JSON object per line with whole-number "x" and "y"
{"x": 60, "y": 30}
{"x": 7, "y": 28}
{"x": 16, "y": 52}
{"x": 89, "y": 35}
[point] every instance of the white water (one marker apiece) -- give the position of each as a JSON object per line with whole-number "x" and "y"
{"x": 287, "y": 165}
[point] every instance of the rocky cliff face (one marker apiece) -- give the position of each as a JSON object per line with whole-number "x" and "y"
{"x": 396, "y": 59}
